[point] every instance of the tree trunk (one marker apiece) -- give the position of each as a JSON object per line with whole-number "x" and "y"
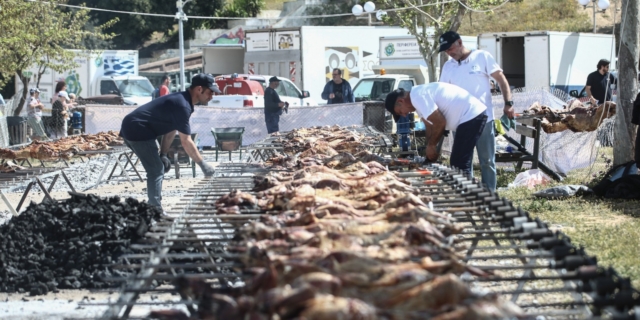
{"x": 624, "y": 130}
{"x": 23, "y": 97}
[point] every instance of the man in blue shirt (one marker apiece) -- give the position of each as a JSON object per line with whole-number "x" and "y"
{"x": 338, "y": 90}
{"x": 164, "y": 117}
{"x": 273, "y": 106}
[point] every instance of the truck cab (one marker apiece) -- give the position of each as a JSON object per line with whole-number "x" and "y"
{"x": 387, "y": 79}
{"x": 134, "y": 90}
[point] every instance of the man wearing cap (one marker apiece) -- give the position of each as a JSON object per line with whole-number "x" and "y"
{"x": 273, "y": 106}
{"x": 34, "y": 115}
{"x": 443, "y": 106}
{"x": 164, "y": 117}
{"x": 472, "y": 70}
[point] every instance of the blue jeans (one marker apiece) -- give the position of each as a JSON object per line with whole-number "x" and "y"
{"x": 466, "y": 137}
{"x": 272, "y": 120}
{"x": 486, "y": 147}
{"x": 148, "y": 153}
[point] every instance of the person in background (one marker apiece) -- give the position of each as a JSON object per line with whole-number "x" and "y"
{"x": 59, "y": 113}
{"x": 166, "y": 117}
{"x": 472, "y": 70}
{"x": 34, "y": 115}
{"x": 164, "y": 86}
{"x": 597, "y": 82}
{"x": 273, "y": 106}
{"x": 338, "y": 90}
{"x": 60, "y": 86}
{"x": 443, "y": 106}
{"x": 635, "y": 119}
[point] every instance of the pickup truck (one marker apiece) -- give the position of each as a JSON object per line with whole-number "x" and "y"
{"x": 387, "y": 78}
{"x": 247, "y": 90}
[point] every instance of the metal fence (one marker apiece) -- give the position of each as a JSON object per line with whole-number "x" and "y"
{"x": 109, "y": 117}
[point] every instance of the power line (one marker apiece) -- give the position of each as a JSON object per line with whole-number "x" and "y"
{"x": 238, "y": 18}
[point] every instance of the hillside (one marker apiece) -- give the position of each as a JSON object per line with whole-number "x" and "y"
{"x": 556, "y": 15}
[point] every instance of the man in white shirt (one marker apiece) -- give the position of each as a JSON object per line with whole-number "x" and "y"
{"x": 443, "y": 106}
{"x": 472, "y": 70}
{"x": 34, "y": 115}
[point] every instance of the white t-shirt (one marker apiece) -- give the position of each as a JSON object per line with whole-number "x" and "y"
{"x": 457, "y": 105}
{"x": 31, "y": 111}
{"x": 473, "y": 74}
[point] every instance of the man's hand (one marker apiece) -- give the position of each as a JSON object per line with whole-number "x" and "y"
{"x": 432, "y": 153}
{"x": 166, "y": 162}
{"x": 593, "y": 101}
{"x": 207, "y": 169}
{"x": 332, "y": 96}
{"x": 286, "y": 107}
{"x": 509, "y": 111}
{"x": 281, "y": 104}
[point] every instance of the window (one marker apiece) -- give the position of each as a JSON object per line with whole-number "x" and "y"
{"x": 108, "y": 87}
{"x": 280, "y": 89}
{"x": 291, "y": 90}
{"x": 405, "y": 84}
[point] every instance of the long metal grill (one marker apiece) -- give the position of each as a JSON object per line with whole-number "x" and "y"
{"x": 536, "y": 268}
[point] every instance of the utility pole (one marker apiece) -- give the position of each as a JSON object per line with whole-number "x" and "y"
{"x": 181, "y": 17}
{"x": 624, "y": 130}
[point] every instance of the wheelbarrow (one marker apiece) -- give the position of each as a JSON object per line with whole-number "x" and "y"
{"x": 228, "y": 139}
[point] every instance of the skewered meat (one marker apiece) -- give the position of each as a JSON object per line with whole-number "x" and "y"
{"x": 10, "y": 167}
{"x": 575, "y": 116}
{"x": 64, "y": 148}
{"x": 238, "y": 199}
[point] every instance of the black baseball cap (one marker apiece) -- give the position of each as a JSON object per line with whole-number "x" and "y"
{"x": 274, "y": 79}
{"x": 390, "y": 100}
{"x": 447, "y": 39}
{"x": 206, "y": 81}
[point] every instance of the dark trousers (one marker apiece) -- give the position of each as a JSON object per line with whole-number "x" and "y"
{"x": 464, "y": 142}
{"x": 637, "y": 155}
{"x": 272, "y": 119}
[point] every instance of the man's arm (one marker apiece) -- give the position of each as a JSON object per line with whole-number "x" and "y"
{"x": 167, "y": 139}
{"x": 434, "y": 126}
{"x": 190, "y": 147}
{"x": 325, "y": 92}
{"x": 506, "y": 92}
{"x": 351, "y": 98}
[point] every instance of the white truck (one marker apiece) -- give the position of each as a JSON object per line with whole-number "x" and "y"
{"x": 386, "y": 79}
{"x": 404, "y": 50}
{"x": 98, "y": 73}
{"x": 307, "y": 55}
{"x": 559, "y": 60}
{"x": 238, "y": 92}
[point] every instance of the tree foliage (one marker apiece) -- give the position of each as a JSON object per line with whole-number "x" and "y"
{"x": 555, "y": 15}
{"x": 427, "y": 20}
{"x": 134, "y": 30}
{"x": 38, "y": 33}
{"x": 333, "y": 7}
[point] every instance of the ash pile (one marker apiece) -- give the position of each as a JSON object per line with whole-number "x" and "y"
{"x": 68, "y": 244}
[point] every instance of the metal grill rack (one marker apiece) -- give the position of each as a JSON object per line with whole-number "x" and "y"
{"x": 536, "y": 268}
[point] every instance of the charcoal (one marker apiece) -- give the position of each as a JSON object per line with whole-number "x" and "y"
{"x": 70, "y": 244}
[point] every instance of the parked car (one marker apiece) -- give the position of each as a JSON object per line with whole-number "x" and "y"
{"x": 244, "y": 90}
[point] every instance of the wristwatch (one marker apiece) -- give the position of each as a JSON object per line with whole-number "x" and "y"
{"x": 509, "y": 103}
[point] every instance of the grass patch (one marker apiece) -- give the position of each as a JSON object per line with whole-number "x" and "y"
{"x": 608, "y": 229}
